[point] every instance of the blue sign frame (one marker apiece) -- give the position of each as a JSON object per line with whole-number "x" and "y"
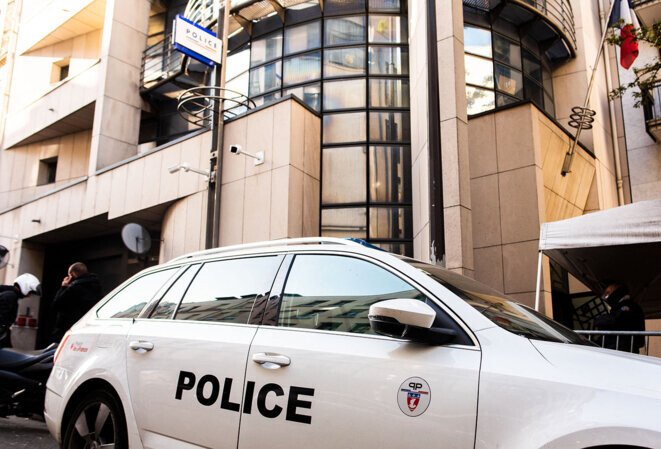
{"x": 187, "y": 51}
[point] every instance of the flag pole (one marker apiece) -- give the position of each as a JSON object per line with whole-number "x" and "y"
{"x": 585, "y": 115}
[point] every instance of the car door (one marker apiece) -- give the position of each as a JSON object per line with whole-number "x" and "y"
{"x": 186, "y": 361}
{"x": 320, "y": 378}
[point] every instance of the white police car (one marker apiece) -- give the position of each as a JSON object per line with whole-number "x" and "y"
{"x": 270, "y": 345}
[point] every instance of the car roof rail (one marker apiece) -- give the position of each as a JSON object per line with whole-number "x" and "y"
{"x": 271, "y": 243}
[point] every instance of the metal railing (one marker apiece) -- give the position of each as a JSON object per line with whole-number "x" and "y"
{"x": 652, "y": 107}
{"x": 622, "y": 340}
{"x": 559, "y": 13}
{"x": 160, "y": 61}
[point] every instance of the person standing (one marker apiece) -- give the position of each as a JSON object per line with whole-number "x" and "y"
{"x": 80, "y": 290}
{"x": 624, "y": 315}
{"x": 23, "y": 286}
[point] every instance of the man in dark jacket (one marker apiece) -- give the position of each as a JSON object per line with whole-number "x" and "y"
{"x": 23, "y": 286}
{"x": 79, "y": 292}
{"x": 625, "y": 315}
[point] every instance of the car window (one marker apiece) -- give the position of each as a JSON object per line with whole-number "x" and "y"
{"x": 169, "y": 302}
{"x": 335, "y": 293}
{"x": 225, "y": 290}
{"x": 501, "y": 310}
{"x": 129, "y": 302}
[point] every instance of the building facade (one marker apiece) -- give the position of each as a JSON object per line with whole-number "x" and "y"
{"x": 432, "y": 128}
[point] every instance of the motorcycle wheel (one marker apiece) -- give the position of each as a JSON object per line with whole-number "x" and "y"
{"x": 97, "y": 421}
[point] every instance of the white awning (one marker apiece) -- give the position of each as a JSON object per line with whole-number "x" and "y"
{"x": 622, "y": 244}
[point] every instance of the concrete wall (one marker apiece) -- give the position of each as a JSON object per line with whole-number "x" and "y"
{"x": 278, "y": 199}
{"x": 643, "y": 154}
{"x": 516, "y": 157}
{"x": 19, "y": 167}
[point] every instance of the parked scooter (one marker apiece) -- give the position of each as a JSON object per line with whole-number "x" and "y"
{"x": 23, "y": 382}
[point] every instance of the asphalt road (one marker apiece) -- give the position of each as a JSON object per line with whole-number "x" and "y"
{"x": 25, "y": 433}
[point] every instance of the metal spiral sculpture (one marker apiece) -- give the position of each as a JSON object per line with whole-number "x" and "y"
{"x": 581, "y": 117}
{"x": 197, "y": 105}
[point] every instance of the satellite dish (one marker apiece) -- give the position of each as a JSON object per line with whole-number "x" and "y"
{"x": 136, "y": 238}
{"x": 4, "y": 257}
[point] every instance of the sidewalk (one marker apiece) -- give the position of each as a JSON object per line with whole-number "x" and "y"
{"x": 25, "y": 433}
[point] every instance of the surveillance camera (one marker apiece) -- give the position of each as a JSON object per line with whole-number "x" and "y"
{"x": 236, "y": 149}
{"x": 174, "y": 168}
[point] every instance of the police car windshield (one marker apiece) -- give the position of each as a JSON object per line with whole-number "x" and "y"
{"x": 504, "y": 312}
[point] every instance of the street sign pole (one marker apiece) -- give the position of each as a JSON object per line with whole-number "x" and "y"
{"x": 218, "y": 125}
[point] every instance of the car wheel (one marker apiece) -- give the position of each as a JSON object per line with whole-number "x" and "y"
{"x": 96, "y": 422}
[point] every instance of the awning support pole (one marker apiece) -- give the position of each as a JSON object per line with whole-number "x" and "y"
{"x": 539, "y": 280}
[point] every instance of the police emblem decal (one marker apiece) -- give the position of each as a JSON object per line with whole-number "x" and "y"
{"x": 414, "y": 396}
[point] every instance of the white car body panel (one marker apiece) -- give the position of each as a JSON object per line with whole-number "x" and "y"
{"x": 204, "y": 349}
{"x": 356, "y": 381}
{"x": 505, "y": 391}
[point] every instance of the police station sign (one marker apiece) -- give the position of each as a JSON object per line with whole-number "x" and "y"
{"x": 196, "y": 41}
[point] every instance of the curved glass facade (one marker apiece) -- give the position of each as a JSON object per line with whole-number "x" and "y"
{"x": 502, "y": 68}
{"x": 349, "y": 63}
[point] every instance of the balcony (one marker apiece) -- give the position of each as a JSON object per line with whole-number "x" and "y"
{"x": 549, "y": 22}
{"x": 652, "y": 110}
{"x": 648, "y": 11}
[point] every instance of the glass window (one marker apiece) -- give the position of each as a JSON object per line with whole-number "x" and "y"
{"x": 504, "y": 100}
{"x": 335, "y": 293}
{"x": 533, "y": 91}
{"x": 479, "y": 71}
{"x": 532, "y": 66}
{"x": 479, "y": 100}
{"x": 390, "y": 223}
{"x": 168, "y": 304}
{"x": 548, "y": 105}
{"x": 302, "y": 68}
{"x": 343, "y": 177}
{"x": 388, "y": 61}
{"x": 344, "y": 62}
{"x": 389, "y": 93}
{"x": 547, "y": 81}
{"x": 266, "y": 49}
{"x": 506, "y": 51}
{"x": 345, "y": 222}
{"x": 238, "y": 63}
{"x": 477, "y": 41}
{"x": 265, "y": 78}
{"x": 405, "y": 249}
{"x": 384, "y": 5}
{"x": 344, "y": 94}
{"x": 343, "y": 6}
{"x": 265, "y": 99}
{"x": 509, "y": 81}
{"x": 344, "y": 30}
{"x": 310, "y": 94}
{"x": 390, "y": 127}
{"x": 347, "y": 127}
{"x": 387, "y": 29}
{"x": 129, "y": 301}
{"x": 302, "y": 37}
{"x": 239, "y": 85}
{"x": 390, "y": 174}
{"x": 224, "y": 291}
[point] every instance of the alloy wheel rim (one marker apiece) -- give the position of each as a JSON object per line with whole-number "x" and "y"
{"x": 94, "y": 428}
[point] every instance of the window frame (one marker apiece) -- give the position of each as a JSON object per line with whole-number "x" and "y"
{"x": 272, "y": 312}
{"x": 259, "y": 303}
{"x": 158, "y": 294}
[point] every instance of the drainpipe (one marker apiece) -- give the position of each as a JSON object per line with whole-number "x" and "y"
{"x": 611, "y": 110}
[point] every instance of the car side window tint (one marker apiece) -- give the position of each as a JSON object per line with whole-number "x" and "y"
{"x": 169, "y": 302}
{"x": 129, "y": 302}
{"x": 335, "y": 293}
{"x": 224, "y": 291}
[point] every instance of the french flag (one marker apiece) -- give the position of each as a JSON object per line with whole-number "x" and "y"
{"x": 622, "y": 9}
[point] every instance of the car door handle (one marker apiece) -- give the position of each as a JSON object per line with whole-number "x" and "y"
{"x": 141, "y": 346}
{"x": 271, "y": 361}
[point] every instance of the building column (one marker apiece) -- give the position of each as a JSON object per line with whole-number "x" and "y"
{"x": 116, "y": 125}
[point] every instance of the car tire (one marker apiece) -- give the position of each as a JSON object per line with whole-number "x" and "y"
{"x": 96, "y": 421}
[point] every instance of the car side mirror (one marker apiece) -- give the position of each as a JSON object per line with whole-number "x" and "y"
{"x": 409, "y": 319}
